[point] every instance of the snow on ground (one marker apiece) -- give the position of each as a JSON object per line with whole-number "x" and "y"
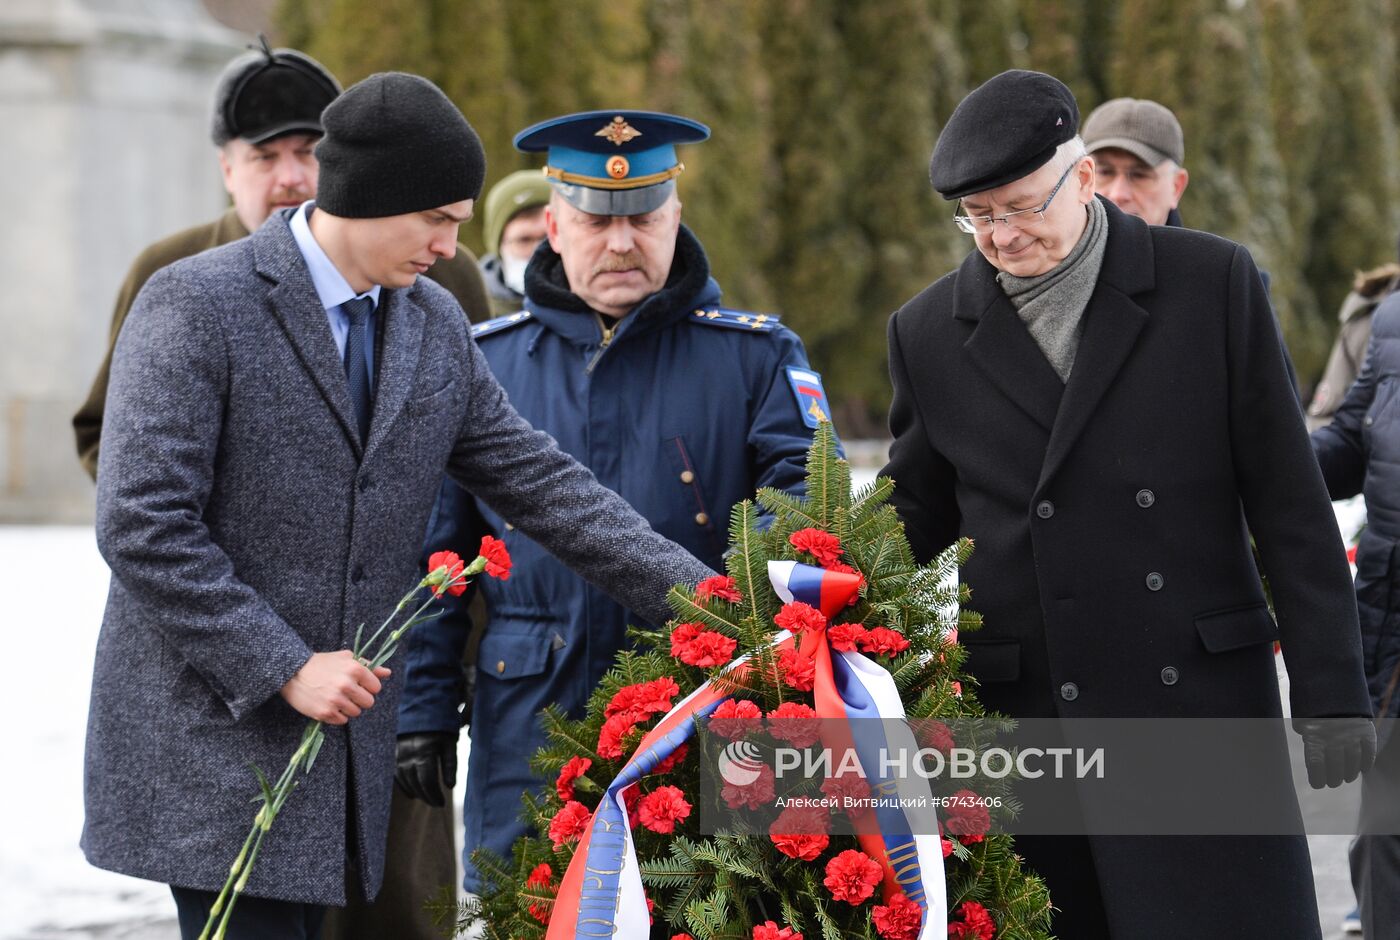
{"x": 53, "y": 585}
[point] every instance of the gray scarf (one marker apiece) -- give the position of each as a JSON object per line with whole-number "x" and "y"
{"x": 1052, "y": 304}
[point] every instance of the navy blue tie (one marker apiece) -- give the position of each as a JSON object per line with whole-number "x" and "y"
{"x": 357, "y": 362}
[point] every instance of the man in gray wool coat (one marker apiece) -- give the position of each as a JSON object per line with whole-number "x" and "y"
{"x": 282, "y": 410}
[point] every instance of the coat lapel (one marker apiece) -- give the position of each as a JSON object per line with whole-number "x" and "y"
{"x": 1112, "y": 323}
{"x": 1002, "y": 347}
{"x": 394, "y": 374}
{"x": 298, "y": 309}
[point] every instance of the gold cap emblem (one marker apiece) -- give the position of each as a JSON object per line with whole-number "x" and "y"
{"x": 618, "y": 131}
{"x": 618, "y": 167}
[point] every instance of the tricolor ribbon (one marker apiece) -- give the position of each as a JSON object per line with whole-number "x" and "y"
{"x": 601, "y": 894}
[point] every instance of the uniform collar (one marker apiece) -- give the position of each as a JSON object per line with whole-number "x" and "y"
{"x": 688, "y": 286}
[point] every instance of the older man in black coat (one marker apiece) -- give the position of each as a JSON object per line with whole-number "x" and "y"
{"x": 1103, "y": 406}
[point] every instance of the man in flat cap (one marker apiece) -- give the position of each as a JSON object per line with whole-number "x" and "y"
{"x": 626, "y": 357}
{"x": 1139, "y": 155}
{"x": 1103, "y": 407}
{"x": 266, "y": 119}
{"x": 281, "y": 414}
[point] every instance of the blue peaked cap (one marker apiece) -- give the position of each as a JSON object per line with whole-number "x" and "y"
{"x": 612, "y": 162}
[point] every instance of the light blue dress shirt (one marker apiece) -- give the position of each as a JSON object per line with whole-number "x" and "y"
{"x": 331, "y": 286}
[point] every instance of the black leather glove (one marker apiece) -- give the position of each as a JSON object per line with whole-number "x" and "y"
{"x": 1336, "y": 750}
{"x": 423, "y": 759}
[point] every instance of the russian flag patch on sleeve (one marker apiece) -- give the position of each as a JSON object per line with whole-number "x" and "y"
{"x": 811, "y": 397}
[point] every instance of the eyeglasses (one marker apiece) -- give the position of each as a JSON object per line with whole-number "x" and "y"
{"x": 972, "y": 224}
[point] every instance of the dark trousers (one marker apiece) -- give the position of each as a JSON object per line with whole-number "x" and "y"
{"x": 1375, "y": 859}
{"x": 1067, "y": 865}
{"x": 420, "y": 861}
{"x": 253, "y": 918}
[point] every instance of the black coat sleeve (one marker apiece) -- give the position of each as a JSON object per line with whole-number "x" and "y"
{"x": 925, "y": 496}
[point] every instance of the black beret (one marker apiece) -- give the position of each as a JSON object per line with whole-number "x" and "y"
{"x": 396, "y": 144}
{"x": 1003, "y": 130}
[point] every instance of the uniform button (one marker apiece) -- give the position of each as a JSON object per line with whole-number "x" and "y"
{"x": 1045, "y": 509}
{"x": 1170, "y": 675}
{"x": 364, "y": 484}
{"x": 702, "y": 518}
{"x": 500, "y": 666}
{"x": 1146, "y": 498}
{"x": 357, "y": 575}
{"x": 1155, "y": 581}
{"x": 1069, "y": 691}
{"x": 509, "y": 527}
{"x": 687, "y": 476}
{"x": 1368, "y": 421}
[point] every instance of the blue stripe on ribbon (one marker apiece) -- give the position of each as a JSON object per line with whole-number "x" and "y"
{"x": 600, "y": 889}
{"x": 895, "y": 828}
{"x": 805, "y": 583}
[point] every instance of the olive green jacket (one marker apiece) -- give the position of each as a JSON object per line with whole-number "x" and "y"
{"x": 459, "y": 275}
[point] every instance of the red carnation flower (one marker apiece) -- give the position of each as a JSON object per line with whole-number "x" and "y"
{"x": 695, "y": 646}
{"x": 800, "y": 618}
{"x": 643, "y": 699}
{"x": 847, "y": 786}
{"x": 900, "y": 919}
{"x": 967, "y": 818}
{"x": 542, "y": 877}
{"x": 847, "y": 569}
{"x": 447, "y": 581}
{"x": 736, "y": 718}
{"x": 934, "y": 734}
{"x": 975, "y": 923}
{"x": 719, "y": 585}
{"x": 681, "y": 936}
{"x": 845, "y": 637}
{"x": 651, "y": 906}
{"x": 669, "y": 764}
{"x": 630, "y": 798}
{"x": 497, "y": 558}
{"x": 662, "y": 808}
{"x": 575, "y": 768}
{"x": 753, "y": 795}
{"x": 795, "y": 723}
{"x": 768, "y": 930}
{"x": 852, "y": 876}
{"x": 800, "y": 832}
{"x": 569, "y": 823}
{"x": 798, "y": 671}
{"x": 883, "y": 640}
{"x": 823, "y": 546}
{"x": 947, "y": 846}
{"x": 614, "y": 732}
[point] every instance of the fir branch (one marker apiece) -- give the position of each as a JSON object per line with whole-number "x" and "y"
{"x": 688, "y": 609}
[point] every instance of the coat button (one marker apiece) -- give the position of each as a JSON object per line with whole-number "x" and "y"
{"x": 1146, "y": 498}
{"x": 1069, "y": 691}
{"x": 1368, "y": 421}
{"x": 1155, "y": 581}
{"x": 1045, "y": 509}
{"x": 702, "y": 518}
{"x": 357, "y": 575}
{"x": 364, "y": 484}
{"x": 1170, "y": 675}
{"x": 500, "y": 666}
{"x": 687, "y": 476}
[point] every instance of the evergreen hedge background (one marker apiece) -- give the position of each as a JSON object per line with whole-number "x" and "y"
{"x": 812, "y": 197}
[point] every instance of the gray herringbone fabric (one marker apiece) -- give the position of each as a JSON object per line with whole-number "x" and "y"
{"x": 245, "y": 529}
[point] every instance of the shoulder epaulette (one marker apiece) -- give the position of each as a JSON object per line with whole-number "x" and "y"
{"x": 497, "y": 324}
{"x": 737, "y": 319}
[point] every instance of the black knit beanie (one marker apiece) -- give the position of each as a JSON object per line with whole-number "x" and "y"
{"x": 395, "y": 144}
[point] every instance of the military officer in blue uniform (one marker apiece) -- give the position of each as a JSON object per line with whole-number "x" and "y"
{"x": 626, "y": 356}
